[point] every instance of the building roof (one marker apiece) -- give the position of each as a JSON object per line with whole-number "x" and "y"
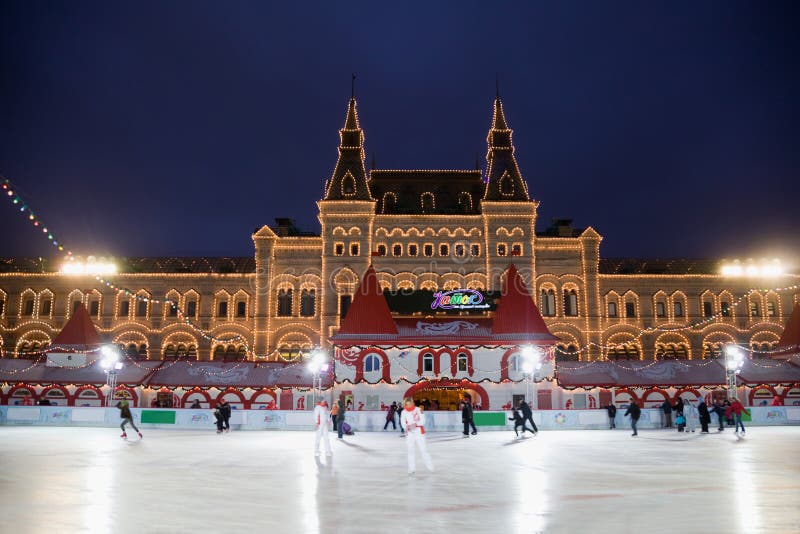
{"x": 369, "y": 312}
{"x": 23, "y": 371}
{"x": 790, "y": 338}
{"x": 241, "y": 374}
{"x": 79, "y": 330}
{"x": 455, "y": 192}
{"x": 658, "y": 266}
{"x": 639, "y": 373}
{"x": 158, "y": 264}
{"x": 516, "y": 312}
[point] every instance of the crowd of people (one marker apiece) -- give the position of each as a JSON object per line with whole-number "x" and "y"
{"x": 687, "y": 414}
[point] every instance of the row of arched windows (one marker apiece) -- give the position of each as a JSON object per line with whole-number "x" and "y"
{"x": 569, "y": 298}
{"x": 308, "y": 302}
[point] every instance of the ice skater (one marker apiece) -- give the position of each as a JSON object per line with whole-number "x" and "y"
{"x": 689, "y": 412}
{"x": 322, "y": 419}
{"x": 519, "y": 422}
{"x": 634, "y": 411}
{"x": 413, "y": 420}
{"x": 666, "y": 410}
{"x": 127, "y": 417}
{"x": 705, "y": 416}
{"x": 527, "y": 415}
{"x": 223, "y": 415}
{"x": 612, "y": 414}
{"x": 466, "y": 415}
{"x": 341, "y": 409}
{"x": 390, "y": 413}
{"x": 735, "y": 410}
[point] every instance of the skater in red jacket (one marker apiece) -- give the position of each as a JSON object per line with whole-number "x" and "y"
{"x": 736, "y": 409}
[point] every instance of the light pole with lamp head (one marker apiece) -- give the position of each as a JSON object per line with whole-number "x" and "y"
{"x": 111, "y": 364}
{"x": 318, "y": 364}
{"x": 531, "y": 362}
{"x": 734, "y": 360}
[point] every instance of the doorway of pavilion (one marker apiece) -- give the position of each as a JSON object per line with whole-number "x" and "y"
{"x": 446, "y": 394}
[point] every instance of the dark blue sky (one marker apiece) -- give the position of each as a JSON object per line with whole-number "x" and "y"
{"x": 176, "y": 128}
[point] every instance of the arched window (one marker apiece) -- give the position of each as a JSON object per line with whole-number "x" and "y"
{"x": 677, "y": 308}
{"x": 381, "y": 250}
{"x": 191, "y": 309}
{"x": 571, "y": 303}
{"x": 181, "y": 351}
{"x": 27, "y": 307}
{"x": 428, "y": 202}
{"x": 661, "y": 309}
{"x": 169, "y": 351}
{"x": 143, "y": 351}
{"x": 308, "y": 302}
{"x": 141, "y": 308}
{"x": 230, "y": 352}
{"x": 465, "y": 202}
{"x": 548, "y": 302}
{"x": 612, "y": 309}
{"x": 772, "y": 309}
{"x": 372, "y": 363}
{"x": 389, "y": 202}
{"x": 397, "y": 250}
{"x": 427, "y": 363}
{"x": 462, "y": 363}
{"x": 285, "y": 303}
{"x": 191, "y": 352}
{"x": 755, "y": 311}
{"x": 241, "y": 352}
{"x": 219, "y": 352}
{"x": 222, "y": 308}
{"x": 514, "y": 363}
{"x": 506, "y": 185}
{"x": 348, "y": 185}
{"x": 241, "y": 309}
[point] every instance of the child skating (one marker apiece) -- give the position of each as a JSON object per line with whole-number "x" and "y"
{"x": 413, "y": 420}
{"x": 127, "y": 417}
{"x": 322, "y": 419}
{"x": 519, "y": 421}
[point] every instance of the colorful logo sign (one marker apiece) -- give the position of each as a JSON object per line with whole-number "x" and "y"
{"x": 458, "y": 299}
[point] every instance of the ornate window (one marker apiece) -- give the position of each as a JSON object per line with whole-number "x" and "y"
{"x": 502, "y": 249}
{"x": 46, "y": 306}
{"x": 771, "y": 309}
{"x": 413, "y": 249}
{"x": 372, "y": 363}
{"x": 612, "y": 309}
{"x": 516, "y": 249}
{"x": 222, "y": 308}
{"x": 285, "y": 302}
{"x": 27, "y": 307}
{"x": 444, "y": 249}
{"x": 677, "y": 308}
{"x": 548, "y": 302}
{"x": 460, "y": 250}
{"x": 427, "y": 363}
{"x": 570, "y": 303}
{"x": 506, "y": 185}
{"x": 475, "y": 249}
{"x": 397, "y": 250}
{"x": 754, "y": 309}
{"x": 354, "y": 249}
{"x": 428, "y": 202}
{"x": 141, "y": 308}
{"x": 241, "y": 309}
{"x": 381, "y": 250}
{"x": 348, "y": 185}
{"x": 308, "y": 302}
{"x": 462, "y": 363}
{"x": 124, "y": 308}
{"x": 427, "y": 250}
{"x": 661, "y": 309}
{"x": 630, "y": 309}
{"x": 344, "y": 304}
{"x": 338, "y": 249}
{"x": 191, "y": 309}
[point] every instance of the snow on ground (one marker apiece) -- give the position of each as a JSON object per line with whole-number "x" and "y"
{"x": 89, "y": 480}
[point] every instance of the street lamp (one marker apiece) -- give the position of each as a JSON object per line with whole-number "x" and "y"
{"x": 734, "y": 360}
{"x": 318, "y": 364}
{"x": 531, "y": 362}
{"x": 111, "y": 364}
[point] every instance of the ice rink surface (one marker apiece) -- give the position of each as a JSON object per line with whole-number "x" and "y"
{"x": 65, "y": 480}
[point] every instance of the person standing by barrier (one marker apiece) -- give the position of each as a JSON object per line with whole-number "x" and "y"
{"x": 340, "y": 412}
{"x": 466, "y": 415}
{"x": 127, "y": 417}
{"x": 224, "y": 420}
{"x": 635, "y": 412}
{"x": 612, "y": 414}
{"x": 690, "y": 412}
{"x": 705, "y": 416}
{"x": 666, "y": 411}
{"x": 413, "y": 420}
{"x": 334, "y": 414}
{"x": 719, "y": 409}
{"x": 322, "y": 422}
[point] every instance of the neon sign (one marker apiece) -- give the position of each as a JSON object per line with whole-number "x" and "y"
{"x": 458, "y": 299}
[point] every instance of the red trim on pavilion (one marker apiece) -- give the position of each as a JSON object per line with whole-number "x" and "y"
{"x": 79, "y": 330}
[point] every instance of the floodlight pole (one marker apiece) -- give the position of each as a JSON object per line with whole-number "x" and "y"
{"x": 111, "y": 382}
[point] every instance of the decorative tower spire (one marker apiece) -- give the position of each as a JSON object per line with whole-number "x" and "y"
{"x": 503, "y": 179}
{"x": 349, "y": 179}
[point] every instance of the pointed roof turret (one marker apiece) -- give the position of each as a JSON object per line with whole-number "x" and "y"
{"x": 349, "y": 180}
{"x": 369, "y": 313}
{"x": 79, "y": 330}
{"x": 516, "y": 312}
{"x": 503, "y": 178}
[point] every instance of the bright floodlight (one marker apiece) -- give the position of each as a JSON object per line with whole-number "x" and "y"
{"x": 317, "y": 362}
{"x": 527, "y": 367}
{"x": 91, "y": 266}
{"x": 531, "y": 358}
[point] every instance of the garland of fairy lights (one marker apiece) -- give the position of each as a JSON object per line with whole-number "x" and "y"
{"x": 8, "y": 187}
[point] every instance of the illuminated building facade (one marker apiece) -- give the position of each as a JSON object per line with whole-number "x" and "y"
{"x": 422, "y": 230}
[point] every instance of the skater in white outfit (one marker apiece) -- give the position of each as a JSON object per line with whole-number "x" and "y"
{"x": 690, "y": 414}
{"x": 413, "y": 420}
{"x": 322, "y": 421}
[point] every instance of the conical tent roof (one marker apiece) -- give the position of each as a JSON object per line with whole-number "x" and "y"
{"x": 369, "y": 313}
{"x": 516, "y": 312}
{"x": 79, "y": 330}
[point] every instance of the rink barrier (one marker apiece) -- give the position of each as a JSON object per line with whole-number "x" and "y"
{"x": 360, "y": 421}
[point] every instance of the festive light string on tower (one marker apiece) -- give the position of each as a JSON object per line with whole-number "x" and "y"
{"x": 10, "y": 192}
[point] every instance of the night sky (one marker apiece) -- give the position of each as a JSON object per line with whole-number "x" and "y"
{"x": 176, "y": 128}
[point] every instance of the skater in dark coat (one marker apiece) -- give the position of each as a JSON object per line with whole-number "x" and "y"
{"x": 466, "y": 415}
{"x": 719, "y": 409}
{"x": 634, "y": 411}
{"x": 224, "y": 418}
{"x": 705, "y": 416}
{"x": 342, "y": 409}
{"x": 527, "y": 415}
{"x": 519, "y": 422}
{"x": 390, "y": 412}
{"x": 127, "y": 417}
{"x": 666, "y": 409}
{"x": 612, "y": 413}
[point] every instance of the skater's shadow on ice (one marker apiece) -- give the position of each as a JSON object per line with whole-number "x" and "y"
{"x": 515, "y": 441}
{"x": 354, "y": 446}
{"x": 446, "y": 438}
{"x": 327, "y": 465}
